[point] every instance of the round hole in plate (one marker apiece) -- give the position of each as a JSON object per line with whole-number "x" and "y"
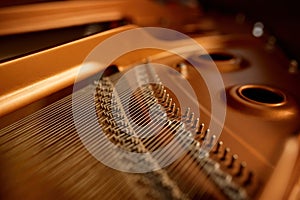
{"x": 225, "y": 61}
{"x": 217, "y": 56}
{"x": 262, "y": 101}
{"x": 262, "y": 95}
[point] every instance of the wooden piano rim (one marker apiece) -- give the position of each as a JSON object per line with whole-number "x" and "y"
{"x": 38, "y": 75}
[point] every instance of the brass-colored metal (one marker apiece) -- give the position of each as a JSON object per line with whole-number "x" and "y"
{"x": 282, "y": 99}
{"x": 283, "y": 107}
{"x": 224, "y": 60}
{"x": 50, "y": 159}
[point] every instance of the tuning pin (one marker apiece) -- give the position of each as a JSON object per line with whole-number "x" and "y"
{"x": 172, "y": 108}
{"x": 182, "y": 67}
{"x": 209, "y": 140}
{"x": 197, "y": 144}
{"x": 170, "y": 103}
{"x": 161, "y": 91}
{"x": 166, "y": 100}
{"x": 187, "y": 112}
{"x": 190, "y": 118}
{"x": 116, "y": 132}
{"x": 225, "y": 153}
{"x": 218, "y": 147}
{"x": 200, "y": 129}
{"x": 212, "y": 140}
{"x": 110, "y": 129}
{"x": 206, "y": 133}
{"x": 234, "y": 158}
{"x": 195, "y": 124}
{"x": 249, "y": 179}
{"x": 176, "y": 113}
{"x": 164, "y": 95}
{"x": 199, "y": 132}
{"x": 160, "y": 86}
{"x": 241, "y": 169}
{"x": 150, "y": 92}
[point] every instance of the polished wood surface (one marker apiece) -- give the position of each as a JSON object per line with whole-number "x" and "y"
{"x": 43, "y": 157}
{"x": 51, "y": 15}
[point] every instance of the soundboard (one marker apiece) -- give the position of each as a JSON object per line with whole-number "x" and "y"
{"x": 151, "y": 113}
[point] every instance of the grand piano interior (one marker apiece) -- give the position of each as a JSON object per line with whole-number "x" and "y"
{"x": 72, "y": 127}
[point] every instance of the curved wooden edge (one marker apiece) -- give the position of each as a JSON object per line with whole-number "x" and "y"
{"x": 27, "y": 79}
{"x": 45, "y": 16}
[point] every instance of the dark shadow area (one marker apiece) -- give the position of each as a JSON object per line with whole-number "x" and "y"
{"x": 280, "y": 18}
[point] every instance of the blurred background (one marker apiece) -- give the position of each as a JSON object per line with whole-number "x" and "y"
{"x": 253, "y": 42}
{"x": 30, "y": 25}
